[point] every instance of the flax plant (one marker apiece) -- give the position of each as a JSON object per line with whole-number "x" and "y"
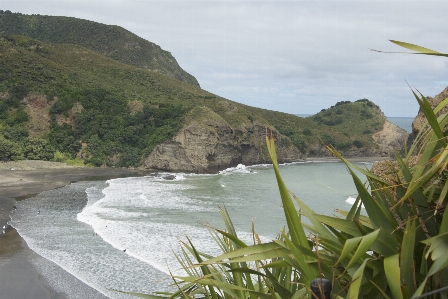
{"x": 398, "y": 250}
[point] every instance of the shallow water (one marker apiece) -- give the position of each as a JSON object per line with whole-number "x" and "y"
{"x": 121, "y": 233}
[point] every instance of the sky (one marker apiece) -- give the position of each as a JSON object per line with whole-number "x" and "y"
{"x": 297, "y": 56}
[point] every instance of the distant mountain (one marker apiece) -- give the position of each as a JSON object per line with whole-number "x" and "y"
{"x": 63, "y": 101}
{"x": 111, "y": 41}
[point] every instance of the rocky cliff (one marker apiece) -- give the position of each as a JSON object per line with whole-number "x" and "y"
{"x": 207, "y": 144}
{"x": 387, "y": 169}
{"x": 390, "y": 138}
{"x": 420, "y": 119}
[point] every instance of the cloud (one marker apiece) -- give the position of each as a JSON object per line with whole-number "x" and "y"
{"x": 292, "y": 56}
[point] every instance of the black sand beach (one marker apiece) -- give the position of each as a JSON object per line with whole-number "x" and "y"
{"x": 19, "y": 277}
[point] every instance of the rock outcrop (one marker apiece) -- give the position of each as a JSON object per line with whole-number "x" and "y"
{"x": 390, "y": 138}
{"x": 208, "y": 144}
{"x": 387, "y": 169}
{"x": 420, "y": 119}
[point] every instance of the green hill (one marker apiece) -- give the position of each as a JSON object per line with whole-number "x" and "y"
{"x": 68, "y": 99}
{"x": 111, "y": 41}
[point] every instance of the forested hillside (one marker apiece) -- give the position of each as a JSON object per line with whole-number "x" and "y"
{"x": 64, "y": 101}
{"x": 111, "y": 41}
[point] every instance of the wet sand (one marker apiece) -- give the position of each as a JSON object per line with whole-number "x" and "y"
{"x": 19, "y": 277}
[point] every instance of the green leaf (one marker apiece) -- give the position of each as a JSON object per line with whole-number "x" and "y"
{"x": 415, "y": 48}
{"x": 250, "y": 253}
{"x": 392, "y": 269}
{"x": 318, "y": 227}
{"x": 363, "y": 247}
{"x": 224, "y": 286}
{"x": 386, "y": 244}
{"x": 426, "y": 108}
{"x": 441, "y": 105}
{"x": 292, "y": 219}
{"x": 307, "y": 272}
{"x": 364, "y": 220}
{"x": 407, "y": 269}
{"x": 346, "y": 226}
{"x": 353, "y": 291}
{"x": 444, "y": 222}
{"x": 204, "y": 269}
{"x": 349, "y": 246}
{"x": 379, "y": 215}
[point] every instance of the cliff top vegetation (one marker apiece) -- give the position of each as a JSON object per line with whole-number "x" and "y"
{"x": 81, "y": 103}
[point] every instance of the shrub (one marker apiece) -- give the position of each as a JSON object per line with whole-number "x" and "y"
{"x": 307, "y": 132}
{"x": 61, "y": 106}
{"x": 15, "y": 133}
{"x": 366, "y": 114}
{"x": 3, "y": 110}
{"x": 19, "y": 92}
{"x": 130, "y": 157}
{"x": 328, "y": 139}
{"x": 10, "y": 151}
{"x": 358, "y": 143}
{"x": 61, "y": 157}
{"x": 17, "y": 117}
{"x": 317, "y": 118}
{"x": 96, "y": 160}
{"x": 38, "y": 149}
{"x": 62, "y": 138}
{"x": 342, "y": 103}
{"x": 286, "y": 131}
{"x": 300, "y": 143}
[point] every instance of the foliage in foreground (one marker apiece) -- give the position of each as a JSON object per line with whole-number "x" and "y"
{"x": 397, "y": 251}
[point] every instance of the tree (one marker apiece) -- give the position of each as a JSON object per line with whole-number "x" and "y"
{"x": 10, "y": 151}
{"x": 38, "y": 149}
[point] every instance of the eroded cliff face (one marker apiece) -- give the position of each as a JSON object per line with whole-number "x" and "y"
{"x": 208, "y": 144}
{"x": 390, "y": 138}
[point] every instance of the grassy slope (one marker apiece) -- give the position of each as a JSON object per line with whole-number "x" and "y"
{"x": 112, "y": 41}
{"x": 354, "y": 121}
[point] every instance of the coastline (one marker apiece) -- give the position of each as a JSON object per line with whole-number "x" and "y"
{"x": 24, "y": 179}
{"x": 21, "y": 180}
{"x": 353, "y": 159}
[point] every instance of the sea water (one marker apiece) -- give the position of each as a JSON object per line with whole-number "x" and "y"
{"x": 403, "y": 122}
{"x": 122, "y": 234}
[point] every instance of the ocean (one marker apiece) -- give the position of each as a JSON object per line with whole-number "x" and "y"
{"x": 120, "y": 234}
{"x": 403, "y": 122}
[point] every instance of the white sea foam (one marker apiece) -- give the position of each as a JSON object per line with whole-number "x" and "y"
{"x": 134, "y": 215}
{"x": 352, "y": 200}
{"x": 147, "y": 216}
{"x": 240, "y": 168}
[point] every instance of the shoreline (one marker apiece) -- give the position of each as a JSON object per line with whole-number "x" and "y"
{"x": 24, "y": 179}
{"x": 21, "y": 180}
{"x": 353, "y": 159}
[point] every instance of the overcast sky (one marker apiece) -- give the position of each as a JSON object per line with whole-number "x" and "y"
{"x": 292, "y": 56}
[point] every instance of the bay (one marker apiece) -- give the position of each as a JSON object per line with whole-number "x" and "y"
{"x": 121, "y": 233}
